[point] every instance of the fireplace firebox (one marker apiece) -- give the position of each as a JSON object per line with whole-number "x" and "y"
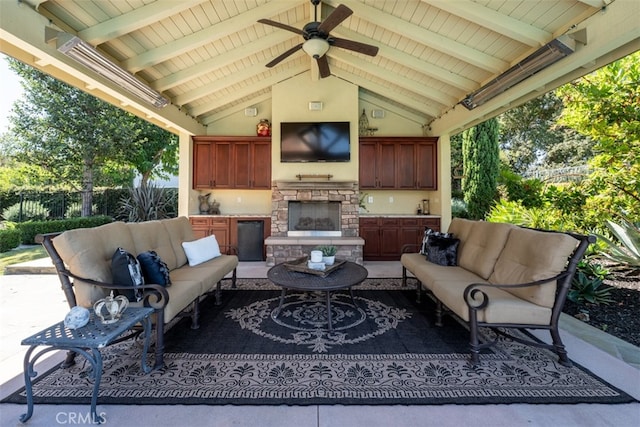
{"x": 314, "y": 218}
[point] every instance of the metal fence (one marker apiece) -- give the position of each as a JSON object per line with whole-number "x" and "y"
{"x": 559, "y": 175}
{"x": 42, "y": 205}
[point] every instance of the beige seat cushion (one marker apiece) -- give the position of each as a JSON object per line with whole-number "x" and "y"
{"x": 87, "y": 252}
{"x": 179, "y": 230}
{"x": 430, "y": 274}
{"x": 531, "y": 255}
{"x": 152, "y": 236}
{"x": 207, "y": 274}
{"x": 482, "y": 247}
{"x": 503, "y": 307}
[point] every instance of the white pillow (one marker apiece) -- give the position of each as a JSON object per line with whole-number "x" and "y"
{"x": 201, "y": 250}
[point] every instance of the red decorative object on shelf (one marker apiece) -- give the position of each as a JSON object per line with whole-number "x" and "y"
{"x": 264, "y": 128}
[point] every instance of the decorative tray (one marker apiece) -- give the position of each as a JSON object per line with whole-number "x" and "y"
{"x": 300, "y": 265}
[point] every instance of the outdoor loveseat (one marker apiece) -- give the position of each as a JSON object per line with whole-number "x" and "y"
{"x": 83, "y": 260}
{"x": 498, "y": 276}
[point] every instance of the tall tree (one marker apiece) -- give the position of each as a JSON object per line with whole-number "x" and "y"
{"x": 81, "y": 140}
{"x": 481, "y": 167}
{"x": 605, "y": 106}
{"x": 530, "y": 137}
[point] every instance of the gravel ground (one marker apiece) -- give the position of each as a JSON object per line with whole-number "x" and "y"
{"x": 621, "y": 318}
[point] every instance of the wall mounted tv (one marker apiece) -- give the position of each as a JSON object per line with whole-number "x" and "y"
{"x": 314, "y": 142}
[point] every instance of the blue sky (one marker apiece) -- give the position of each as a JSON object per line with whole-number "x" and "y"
{"x": 10, "y": 90}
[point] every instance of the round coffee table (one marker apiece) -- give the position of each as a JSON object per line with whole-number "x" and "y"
{"x": 350, "y": 274}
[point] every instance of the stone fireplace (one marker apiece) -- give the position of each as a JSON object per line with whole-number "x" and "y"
{"x": 306, "y": 214}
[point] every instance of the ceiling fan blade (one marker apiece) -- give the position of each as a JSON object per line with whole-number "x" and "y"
{"x": 335, "y": 18}
{"x": 281, "y": 25}
{"x": 366, "y": 49}
{"x": 323, "y": 66}
{"x": 282, "y": 56}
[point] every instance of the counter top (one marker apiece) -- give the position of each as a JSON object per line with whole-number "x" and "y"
{"x": 232, "y": 215}
{"x": 375, "y": 215}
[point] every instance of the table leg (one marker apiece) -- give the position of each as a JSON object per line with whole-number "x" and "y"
{"x": 147, "y": 326}
{"x": 283, "y": 293}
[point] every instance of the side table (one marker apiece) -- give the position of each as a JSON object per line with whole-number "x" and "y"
{"x": 86, "y": 341}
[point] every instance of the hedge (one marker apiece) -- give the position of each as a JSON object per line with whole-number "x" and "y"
{"x": 9, "y": 239}
{"x": 29, "y": 230}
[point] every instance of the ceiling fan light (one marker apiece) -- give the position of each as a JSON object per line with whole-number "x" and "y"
{"x": 316, "y": 48}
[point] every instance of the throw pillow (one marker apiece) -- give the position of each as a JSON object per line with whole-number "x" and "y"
{"x": 126, "y": 270}
{"x": 154, "y": 269}
{"x": 425, "y": 238}
{"x": 201, "y": 250}
{"x": 443, "y": 250}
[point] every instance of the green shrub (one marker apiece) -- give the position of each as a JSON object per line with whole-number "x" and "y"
{"x": 147, "y": 203}
{"x": 459, "y": 209}
{"x": 9, "y": 239}
{"x": 589, "y": 289}
{"x": 74, "y": 210}
{"x": 30, "y": 229}
{"x": 526, "y": 191}
{"x": 31, "y": 211}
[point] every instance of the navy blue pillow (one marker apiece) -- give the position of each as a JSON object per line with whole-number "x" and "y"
{"x": 443, "y": 250}
{"x": 155, "y": 270}
{"x": 429, "y": 233}
{"x": 126, "y": 270}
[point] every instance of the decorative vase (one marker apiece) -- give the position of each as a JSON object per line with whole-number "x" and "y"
{"x": 263, "y": 128}
{"x": 110, "y": 309}
{"x": 329, "y": 260}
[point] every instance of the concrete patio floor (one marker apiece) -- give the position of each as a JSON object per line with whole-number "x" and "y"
{"x": 31, "y": 302}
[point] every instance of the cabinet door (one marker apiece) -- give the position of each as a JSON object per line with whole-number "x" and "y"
{"x": 368, "y": 155}
{"x": 390, "y": 238}
{"x": 261, "y": 165}
{"x": 406, "y": 165}
{"x": 203, "y": 160}
{"x": 200, "y": 227}
{"x": 241, "y": 165}
{"x": 426, "y": 166}
{"x": 219, "y": 227}
{"x": 386, "y": 165}
{"x": 222, "y": 177}
{"x": 371, "y": 236}
{"x": 411, "y": 232}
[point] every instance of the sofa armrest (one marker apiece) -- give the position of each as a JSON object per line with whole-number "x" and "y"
{"x": 229, "y": 250}
{"x": 155, "y": 296}
{"x": 410, "y": 248}
{"x": 477, "y": 299}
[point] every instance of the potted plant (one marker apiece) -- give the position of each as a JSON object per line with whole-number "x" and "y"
{"x": 328, "y": 253}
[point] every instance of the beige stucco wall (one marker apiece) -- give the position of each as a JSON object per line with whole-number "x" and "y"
{"x": 290, "y": 102}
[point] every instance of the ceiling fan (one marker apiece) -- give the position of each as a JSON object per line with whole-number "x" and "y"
{"x": 318, "y": 40}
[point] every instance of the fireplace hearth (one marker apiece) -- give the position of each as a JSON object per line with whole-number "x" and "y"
{"x": 313, "y": 218}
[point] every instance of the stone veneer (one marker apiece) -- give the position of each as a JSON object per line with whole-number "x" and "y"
{"x": 281, "y": 248}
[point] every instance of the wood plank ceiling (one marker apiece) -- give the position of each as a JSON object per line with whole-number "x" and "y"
{"x": 208, "y": 56}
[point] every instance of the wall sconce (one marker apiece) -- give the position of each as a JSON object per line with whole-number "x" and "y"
{"x": 315, "y": 106}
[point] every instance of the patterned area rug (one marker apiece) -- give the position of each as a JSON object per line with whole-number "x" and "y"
{"x": 384, "y": 349}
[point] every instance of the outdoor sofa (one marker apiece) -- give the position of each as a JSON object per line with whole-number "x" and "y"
{"x": 498, "y": 276}
{"x": 83, "y": 260}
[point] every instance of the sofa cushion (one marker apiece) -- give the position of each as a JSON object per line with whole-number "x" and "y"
{"x": 207, "y": 274}
{"x": 87, "y": 252}
{"x": 126, "y": 270}
{"x": 154, "y": 269}
{"x": 152, "y": 236}
{"x": 443, "y": 250}
{"x": 201, "y": 250}
{"x": 482, "y": 247}
{"x": 503, "y": 307}
{"x": 179, "y": 230}
{"x": 460, "y": 228}
{"x": 531, "y": 255}
{"x": 429, "y": 273}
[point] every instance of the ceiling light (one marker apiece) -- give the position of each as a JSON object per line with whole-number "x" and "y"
{"x": 87, "y": 55}
{"x": 537, "y": 61}
{"x": 316, "y": 48}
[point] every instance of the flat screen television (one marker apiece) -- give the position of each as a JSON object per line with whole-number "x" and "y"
{"x": 314, "y": 142}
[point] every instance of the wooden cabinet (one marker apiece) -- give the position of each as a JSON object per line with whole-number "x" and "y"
{"x": 384, "y": 237}
{"x": 231, "y": 162}
{"x": 206, "y": 226}
{"x": 398, "y": 163}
